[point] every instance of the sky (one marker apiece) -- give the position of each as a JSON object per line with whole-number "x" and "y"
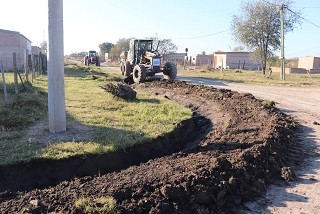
{"x": 199, "y": 25}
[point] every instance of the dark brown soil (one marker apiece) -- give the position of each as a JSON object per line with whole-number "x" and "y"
{"x": 232, "y": 160}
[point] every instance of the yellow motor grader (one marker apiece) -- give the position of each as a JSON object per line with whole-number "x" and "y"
{"x": 142, "y": 61}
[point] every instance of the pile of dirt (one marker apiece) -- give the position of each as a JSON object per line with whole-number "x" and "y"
{"x": 120, "y": 90}
{"x": 244, "y": 149}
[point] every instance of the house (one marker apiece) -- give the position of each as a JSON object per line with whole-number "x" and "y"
{"x": 13, "y": 42}
{"x": 35, "y": 50}
{"x": 310, "y": 63}
{"x": 202, "y": 59}
{"x": 174, "y": 57}
{"x": 234, "y": 60}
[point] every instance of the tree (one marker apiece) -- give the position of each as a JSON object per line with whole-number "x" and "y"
{"x": 77, "y": 55}
{"x": 105, "y": 47}
{"x": 258, "y": 27}
{"x": 121, "y": 45}
{"x": 165, "y": 45}
{"x": 43, "y": 46}
{"x": 239, "y": 49}
{"x": 203, "y": 53}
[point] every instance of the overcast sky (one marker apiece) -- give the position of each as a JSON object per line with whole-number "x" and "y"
{"x": 199, "y": 25}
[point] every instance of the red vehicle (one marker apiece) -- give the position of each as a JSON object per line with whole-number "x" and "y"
{"x": 92, "y": 58}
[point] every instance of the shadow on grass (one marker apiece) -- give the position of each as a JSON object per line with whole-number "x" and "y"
{"x": 96, "y": 156}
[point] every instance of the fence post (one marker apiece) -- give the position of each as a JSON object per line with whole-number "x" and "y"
{"x": 4, "y": 83}
{"x": 15, "y": 70}
{"x": 26, "y": 64}
{"x": 40, "y": 64}
{"x": 32, "y": 67}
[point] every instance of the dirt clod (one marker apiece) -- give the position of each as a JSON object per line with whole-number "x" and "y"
{"x": 121, "y": 90}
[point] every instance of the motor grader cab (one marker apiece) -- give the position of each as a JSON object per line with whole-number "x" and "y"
{"x": 143, "y": 60}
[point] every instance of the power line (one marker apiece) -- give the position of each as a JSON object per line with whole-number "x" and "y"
{"x": 303, "y": 18}
{"x": 198, "y": 37}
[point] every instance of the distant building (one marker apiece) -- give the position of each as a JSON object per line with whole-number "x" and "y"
{"x": 35, "y": 50}
{"x": 309, "y": 62}
{"x": 234, "y": 60}
{"x": 202, "y": 59}
{"x": 174, "y": 57}
{"x": 10, "y": 42}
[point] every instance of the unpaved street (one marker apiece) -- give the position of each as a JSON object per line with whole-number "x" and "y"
{"x": 301, "y": 196}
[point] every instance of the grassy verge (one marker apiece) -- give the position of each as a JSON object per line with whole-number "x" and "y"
{"x": 115, "y": 123}
{"x": 255, "y": 77}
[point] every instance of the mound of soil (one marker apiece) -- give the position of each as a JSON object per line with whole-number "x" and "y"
{"x": 121, "y": 90}
{"x": 243, "y": 150}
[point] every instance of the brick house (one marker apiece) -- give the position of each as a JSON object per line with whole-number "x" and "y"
{"x": 174, "y": 57}
{"x": 10, "y": 42}
{"x": 202, "y": 59}
{"x": 234, "y": 60}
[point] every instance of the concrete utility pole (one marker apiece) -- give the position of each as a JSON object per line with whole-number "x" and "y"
{"x": 56, "y": 94}
{"x": 282, "y": 73}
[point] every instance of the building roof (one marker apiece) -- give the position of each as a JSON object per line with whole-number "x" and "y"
{"x": 14, "y": 32}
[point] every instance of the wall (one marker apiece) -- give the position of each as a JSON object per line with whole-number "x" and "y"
{"x": 234, "y": 60}
{"x": 174, "y": 57}
{"x": 203, "y": 60}
{"x": 314, "y": 71}
{"x": 278, "y": 70}
{"x": 219, "y": 60}
{"x": 35, "y": 50}
{"x": 10, "y": 42}
{"x": 316, "y": 63}
{"x": 296, "y": 70}
{"x": 241, "y": 60}
{"x": 306, "y": 62}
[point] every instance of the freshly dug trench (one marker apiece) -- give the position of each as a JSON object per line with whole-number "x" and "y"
{"x": 241, "y": 153}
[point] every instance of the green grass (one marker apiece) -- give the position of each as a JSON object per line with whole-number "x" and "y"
{"x": 115, "y": 123}
{"x": 97, "y": 205}
{"x": 256, "y": 77}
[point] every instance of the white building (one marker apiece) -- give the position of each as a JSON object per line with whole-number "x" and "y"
{"x": 234, "y": 60}
{"x": 10, "y": 42}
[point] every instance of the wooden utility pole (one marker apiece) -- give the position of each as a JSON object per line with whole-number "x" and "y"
{"x": 282, "y": 73}
{"x": 40, "y": 64}
{"x": 33, "y": 69}
{"x": 26, "y": 64}
{"x": 56, "y": 94}
{"x": 15, "y": 70}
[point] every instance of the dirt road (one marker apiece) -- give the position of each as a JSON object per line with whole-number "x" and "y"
{"x": 301, "y": 196}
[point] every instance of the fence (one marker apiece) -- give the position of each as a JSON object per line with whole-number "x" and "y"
{"x": 34, "y": 63}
